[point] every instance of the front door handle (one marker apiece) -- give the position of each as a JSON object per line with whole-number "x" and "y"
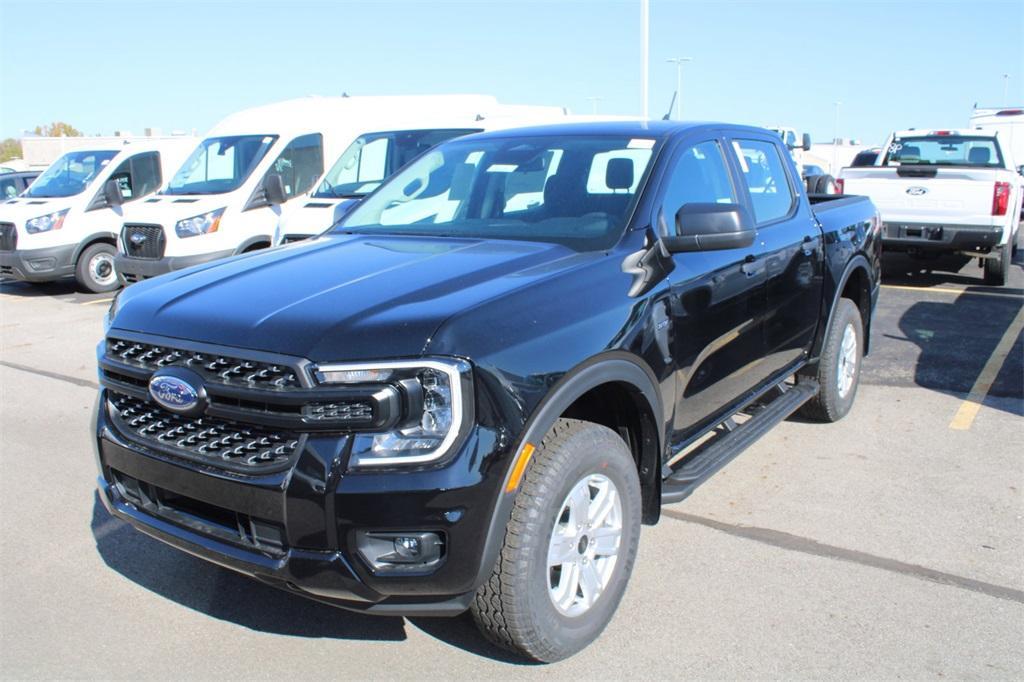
{"x": 751, "y": 266}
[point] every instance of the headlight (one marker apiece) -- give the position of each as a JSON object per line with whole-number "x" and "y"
{"x": 46, "y": 223}
{"x": 199, "y": 224}
{"x": 436, "y": 399}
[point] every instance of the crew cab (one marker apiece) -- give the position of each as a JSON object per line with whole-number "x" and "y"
{"x": 471, "y": 392}
{"x": 945, "y": 191}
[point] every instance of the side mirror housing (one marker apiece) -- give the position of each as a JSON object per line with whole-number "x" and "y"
{"x": 805, "y": 142}
{"x": 273, "y": 186}
{"x": 710, "y": 227}
{"x": 112, "y": 193}
{"x": 1020, "y": 170}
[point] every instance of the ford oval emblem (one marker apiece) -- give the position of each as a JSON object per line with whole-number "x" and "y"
{"x": 917, "y": 191}
{"x": 173, "y": 393}
{"x": 137, "y": 238}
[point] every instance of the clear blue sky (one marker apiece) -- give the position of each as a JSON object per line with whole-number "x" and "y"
{"x": 103, "y": 66}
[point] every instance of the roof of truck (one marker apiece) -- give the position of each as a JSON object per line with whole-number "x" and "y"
{"x": 633, "y": 127}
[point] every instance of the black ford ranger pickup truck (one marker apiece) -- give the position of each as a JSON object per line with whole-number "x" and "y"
{"x": 471, "y": 392}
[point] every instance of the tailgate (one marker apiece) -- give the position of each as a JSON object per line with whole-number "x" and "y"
{"x": 945, "y": 195}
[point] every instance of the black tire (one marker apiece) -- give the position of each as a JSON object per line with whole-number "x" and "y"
{"x": 825, "y": 184}
{"x": 997, "y": 270}
{"x": 831, "y": 404}
{"x": 94, "y": 270}
{"x": 513, "y": 608}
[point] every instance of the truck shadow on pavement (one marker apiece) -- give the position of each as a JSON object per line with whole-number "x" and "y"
{"x": 225, "y": 595}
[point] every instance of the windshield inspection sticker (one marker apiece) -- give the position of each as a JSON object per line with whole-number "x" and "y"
{"x": 640, "y": 143}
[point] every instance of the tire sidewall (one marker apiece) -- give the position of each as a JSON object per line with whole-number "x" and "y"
{"x": 595, "y": 453}
{"x": 846, "y": 314}
{"x": 83, "y": 273}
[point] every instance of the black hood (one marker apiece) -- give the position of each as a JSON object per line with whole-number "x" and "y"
{"x": 337, "y": 298}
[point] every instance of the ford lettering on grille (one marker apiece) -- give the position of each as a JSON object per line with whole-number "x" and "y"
{"x": 173, "y": 393}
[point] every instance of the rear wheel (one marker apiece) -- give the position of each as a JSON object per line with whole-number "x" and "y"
{"x": 569, "y": 546}
{"x": 838, "y": 372}
{"x": 825, "y": 184}
{"x": 94, "y": 270}
{"x": 997, "y": 270}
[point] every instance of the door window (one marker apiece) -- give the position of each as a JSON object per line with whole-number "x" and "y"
{"x": 138, "y": 175}
{"x": 765, "y": 173}
{"x": 300, "y": 165}
{"x": 8, "y": 188}
{"x": 700, "y": 176}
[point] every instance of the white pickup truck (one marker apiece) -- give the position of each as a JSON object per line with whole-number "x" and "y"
{"x": 945, "y": 191}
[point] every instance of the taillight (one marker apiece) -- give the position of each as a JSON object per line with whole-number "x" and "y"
{"x": 839, "y": 185}
{"x": 1000, "y": 198}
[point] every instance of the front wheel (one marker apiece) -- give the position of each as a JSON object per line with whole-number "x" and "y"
{"x": 94, "y": 270}
{"x": 838, "y": 371}
{"x": 569, "y": 546}
{"x": 997, "y": 270}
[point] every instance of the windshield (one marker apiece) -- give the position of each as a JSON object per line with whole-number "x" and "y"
{"x": 944, "y": 150}
{"x": 70, "y": 174}
{"x": 220, "y": 164}
{"x": 572, "y": 190}
{"x": 373, "y": 157}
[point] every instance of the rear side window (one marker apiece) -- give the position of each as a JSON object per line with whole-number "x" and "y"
{"x": 767, "y": 181}
{"x": 300, "y": 165}
{"x": 700, "y": 176}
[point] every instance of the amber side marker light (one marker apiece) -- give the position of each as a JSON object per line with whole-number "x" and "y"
{"x": 525, "y": 455}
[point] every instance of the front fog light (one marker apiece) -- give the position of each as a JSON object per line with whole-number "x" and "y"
{"x": 405, "y": 552}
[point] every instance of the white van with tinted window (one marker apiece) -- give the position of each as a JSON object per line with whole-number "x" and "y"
{"x": 67, "y": 221}
{"x": 228, "y": 197}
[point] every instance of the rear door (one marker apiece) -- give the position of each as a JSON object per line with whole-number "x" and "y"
{"x": 792, "y": 245}
{"x": 718, "y": 297}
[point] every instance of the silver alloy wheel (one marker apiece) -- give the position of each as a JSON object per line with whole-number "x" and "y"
{"x": 101, "y": 269}
{"x": 584, "y": 544}
{"x": 847, "y": 361}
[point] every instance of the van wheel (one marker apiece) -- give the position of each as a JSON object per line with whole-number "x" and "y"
{"x": 838, "y": 372}
{"x": 997, "y": 270}
{"x": 94, "y": 270}
{"x": 569, "y": 546}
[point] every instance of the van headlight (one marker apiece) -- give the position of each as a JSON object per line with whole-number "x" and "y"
{"x": 46, "y": 223}
{"x": 199, "y": 224}
{"x": 436, "y": 397}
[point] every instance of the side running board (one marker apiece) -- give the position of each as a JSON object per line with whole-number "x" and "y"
{"x": 703, "y": 463}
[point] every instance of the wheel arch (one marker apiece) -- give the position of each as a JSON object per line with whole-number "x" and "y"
{"x": 855, "y": 284}
{"x": 94, "y": 238}
{"x": 255, "y": 243}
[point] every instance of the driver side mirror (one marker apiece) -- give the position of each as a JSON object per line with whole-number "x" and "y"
{"x": 273, "y": 186}
{"x": 710, "y": 227}
{"x": 805, "y": 142}
{"x": 1020, "y": 170}
{"x": 112, "y": 193}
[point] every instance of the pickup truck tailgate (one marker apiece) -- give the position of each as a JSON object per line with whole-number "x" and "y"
{"x": 951, "y": 196}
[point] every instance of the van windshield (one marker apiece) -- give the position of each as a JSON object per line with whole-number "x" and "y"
{"x": 220, "y": 164}
{"x": 374, "y": 156}
{"x": 944, "y": 150}
{"x": 70, "y": 174}
{"x": 573, "y": 190}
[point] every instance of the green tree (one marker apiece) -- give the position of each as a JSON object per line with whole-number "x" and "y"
{"x": 58, "y": 129}
{"x": 10, "y": 149}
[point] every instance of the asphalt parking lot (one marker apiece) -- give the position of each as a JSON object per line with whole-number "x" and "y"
{"x": 888, "y": 545}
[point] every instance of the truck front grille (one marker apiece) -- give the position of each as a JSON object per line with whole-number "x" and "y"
{"x": 211, "y": 366}
{"x": 143, "y": 241}
{"x": 8, "y": 237}
{"x": 214, "y": 441}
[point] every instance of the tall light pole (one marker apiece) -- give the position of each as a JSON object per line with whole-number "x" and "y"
{"x": 644, "y": 44}
{"x": 1006, "y": 85}
{"x": 679, "y": 61}
{"x": 593, "y": 101}
{"x": 835, "y": 136}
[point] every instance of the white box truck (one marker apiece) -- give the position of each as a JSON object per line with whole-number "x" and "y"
{"x": 67, "y": 221}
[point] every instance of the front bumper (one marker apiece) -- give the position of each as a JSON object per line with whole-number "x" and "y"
{"x": 39, "y": 265}
{"x": 131, "y": 270}
{"x": 937, "y": 237}
{"x": 317, "y": 508}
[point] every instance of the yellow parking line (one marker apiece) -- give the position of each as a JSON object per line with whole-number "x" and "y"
{"x": 964, "y": 417}
{"x": 99, "y": 300}
{"x": 944, "y": 290}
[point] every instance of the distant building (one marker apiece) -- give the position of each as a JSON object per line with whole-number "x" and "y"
{"x": 40, "y": 152}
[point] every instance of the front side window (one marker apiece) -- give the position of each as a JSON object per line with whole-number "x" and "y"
{"x": 8, "y": 188}
{"x": 765, "y": 173}
{"x": 138, "y": 176}
{"x": 944, "y": 150}
{"x": 575, "y": 190}
{"x": 70, "y": 174}
{"x": 700, "y": 176}
{"x": 220, "y": 164}
{"x": 300, "y": 165}
{"x": 374, "y": 156}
